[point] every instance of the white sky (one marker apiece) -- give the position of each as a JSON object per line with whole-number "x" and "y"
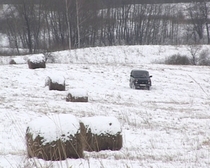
{"x": 167, "y": 127}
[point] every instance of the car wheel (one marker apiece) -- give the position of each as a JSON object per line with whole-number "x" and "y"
{"x": 133, "y": 86}
{"x": 148, "y": 87}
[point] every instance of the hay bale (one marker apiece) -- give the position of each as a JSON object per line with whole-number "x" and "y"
{"x": 55, "y": 137}
{"x": 102, "y": 133}
{"x": 17, "y": 60}
{"x": 37, "y": 61}
{"x": 77, "y": 95}
{"x": 12, "y": 61}
{"x": 55, "y": 82}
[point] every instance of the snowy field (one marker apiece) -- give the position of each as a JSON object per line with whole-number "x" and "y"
{"x": 165, "y": 127}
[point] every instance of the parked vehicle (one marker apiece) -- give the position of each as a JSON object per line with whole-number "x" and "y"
{"x": 140, "y": 79}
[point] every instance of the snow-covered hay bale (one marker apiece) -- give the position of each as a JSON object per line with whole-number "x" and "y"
{"x": 37, "y": 61}
{"x": 17, "y": 60}
{"x": 55, "y": 82}
{"x": 55, "y": 137}
{"x": 102, "y": 133}
{"x": 77, "y": 95}
{"x": 12, "y": 61}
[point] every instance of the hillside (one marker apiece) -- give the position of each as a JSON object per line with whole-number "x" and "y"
{"x": 165, "y": 127}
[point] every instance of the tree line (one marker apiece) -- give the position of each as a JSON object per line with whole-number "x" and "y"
{"x": 68, "y": 24}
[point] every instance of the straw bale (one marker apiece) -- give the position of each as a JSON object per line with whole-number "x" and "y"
{"x": 71, "y": 98}
{"x": 65, "y": 146}
{"x": 102, "y": 133}
{"x": 12, "y": 61}
{"x": 37, "y": 61}
{"x": 94, "y": 142}
{"x": 56, "y": 86}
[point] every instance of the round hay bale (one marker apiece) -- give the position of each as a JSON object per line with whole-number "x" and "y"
{"x": 56, "y": 82}
{"x": 102, "y": 133}
{"x": 36, "y": 61}
{"x": 17, "y": 60}
{"x": 55, "y": 137}
{"x": 77, "y": 95}
{"x": 12, "y": 61}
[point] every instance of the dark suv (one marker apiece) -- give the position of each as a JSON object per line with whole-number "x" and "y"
{"x": 140, "y": 79}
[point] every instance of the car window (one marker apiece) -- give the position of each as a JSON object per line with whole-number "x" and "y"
{"x": 140, "y": 74}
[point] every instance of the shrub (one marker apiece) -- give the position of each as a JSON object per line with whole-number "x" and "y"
{"x": 49, "y": 57}
{"x": 178, "y": 59}
{"x": 204, "y": 58}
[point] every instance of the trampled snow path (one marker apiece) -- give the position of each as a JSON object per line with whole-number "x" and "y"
{"x": 167, "y": 127}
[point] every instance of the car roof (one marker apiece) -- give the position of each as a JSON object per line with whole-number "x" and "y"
{"x": 136, "y": 70}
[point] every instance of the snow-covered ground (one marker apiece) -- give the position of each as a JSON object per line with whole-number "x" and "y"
{"x": 165, "y": 127}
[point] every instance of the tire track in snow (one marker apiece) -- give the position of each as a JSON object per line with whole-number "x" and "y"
{"x": 198, "y": 84}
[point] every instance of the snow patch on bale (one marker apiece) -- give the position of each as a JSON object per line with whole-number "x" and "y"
{"x": 37, "y": 61}
{"x": 77, "y": 95}
{"x": 55, "y": 82}
{"x": 102, "y": 133}
{"x": 55, "y": 137}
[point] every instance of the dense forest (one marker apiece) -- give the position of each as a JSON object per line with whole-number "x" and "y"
{"x": 67, "y": 24}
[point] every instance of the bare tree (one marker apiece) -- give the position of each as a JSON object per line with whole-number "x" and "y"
{"x": 57, "y": 25}
{"x": 205, "y": 11}
{"x": 68, "y": 3}
{"x": 24, "y": 24}
{"x": 197, "y": 18}
{"x": 194, "y": 51}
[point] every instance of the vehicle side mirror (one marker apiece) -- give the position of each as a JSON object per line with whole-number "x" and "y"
{"x": 150, "y": 76}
